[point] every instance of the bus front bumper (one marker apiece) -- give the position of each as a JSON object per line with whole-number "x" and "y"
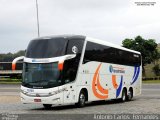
{"x": 54, "y": 99}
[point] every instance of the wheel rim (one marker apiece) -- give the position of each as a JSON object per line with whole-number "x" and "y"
{"x": 82, "y": 99}
{"x": 124, "y": 96}
{"x": 129, "y": 95}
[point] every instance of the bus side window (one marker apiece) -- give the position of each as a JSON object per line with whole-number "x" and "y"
{"x": 91, "y": 52}
{"x": 101, "y": 53}
{"x": 71, "y": 65}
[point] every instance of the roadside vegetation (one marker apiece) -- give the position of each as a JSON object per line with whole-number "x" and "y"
{"x": 150, "y": 52}
{"x": 8, "y": 57}
{"x": 151, "y": 81}
{"x": 10, "y": 81}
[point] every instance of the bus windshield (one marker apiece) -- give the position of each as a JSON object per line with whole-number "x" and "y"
{"x": 46, "y": 48}
{"x": 47, "y": 75}
{"x": 41, "y": 75}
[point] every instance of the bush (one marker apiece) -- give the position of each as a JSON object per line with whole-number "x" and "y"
{"x": 156, "y": 70}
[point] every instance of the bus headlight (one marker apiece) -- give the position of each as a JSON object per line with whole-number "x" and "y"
{"x": 33, "y": 94}
{"x": 57, "y": 92}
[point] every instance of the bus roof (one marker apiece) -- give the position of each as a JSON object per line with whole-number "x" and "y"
{"x": 88, "y": 39}
{"x": 110, "y": 44}
{"x": 61, "y": 36}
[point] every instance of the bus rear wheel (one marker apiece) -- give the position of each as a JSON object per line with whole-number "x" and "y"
{"x": 47, "y": 106}
{"x": 82, "y": 99}
{"x": 124, "y": 95}
{"x": 130, "y": 95}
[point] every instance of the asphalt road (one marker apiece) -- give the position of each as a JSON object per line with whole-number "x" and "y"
{"x": 147, "y": 103}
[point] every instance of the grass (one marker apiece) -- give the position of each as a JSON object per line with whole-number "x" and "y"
{"x": 151, "y": 81}
{"x": 9, "y": 81}
{"x": 7, "y": 78}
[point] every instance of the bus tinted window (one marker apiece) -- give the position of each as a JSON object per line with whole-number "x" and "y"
{"x": 101, "y": 53}
{"x": 71, "y": 66}
{"x": 75, "y": 46}
{"x": 46, "y": 48}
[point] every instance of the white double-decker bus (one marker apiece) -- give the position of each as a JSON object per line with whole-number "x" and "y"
{"x": 76, "y": 69}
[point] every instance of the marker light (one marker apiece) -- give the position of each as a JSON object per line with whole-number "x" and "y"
{"x": 60, "y": 66}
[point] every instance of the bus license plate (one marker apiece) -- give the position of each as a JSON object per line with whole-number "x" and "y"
{"x": 37, "y": 100}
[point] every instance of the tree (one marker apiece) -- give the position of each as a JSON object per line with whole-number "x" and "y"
{"x": 146, "y": 47}
{"x": 10, "y": 56}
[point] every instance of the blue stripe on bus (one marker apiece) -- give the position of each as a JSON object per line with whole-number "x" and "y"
{"x": 136, "y": 76}
{"x": 119, "y": 88}
{"x": 135, "y": 70}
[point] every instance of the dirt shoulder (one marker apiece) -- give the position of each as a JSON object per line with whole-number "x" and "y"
{"x": 9, "y": 99}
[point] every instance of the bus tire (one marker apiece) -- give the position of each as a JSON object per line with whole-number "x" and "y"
{"x": 47, "y": 106}
{"x": 124, "y": 95}
{"x": 82, "y": 99}
{"x": 130, "y": 94}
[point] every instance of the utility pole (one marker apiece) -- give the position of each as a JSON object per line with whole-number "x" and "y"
{"x": 37, "y": 19}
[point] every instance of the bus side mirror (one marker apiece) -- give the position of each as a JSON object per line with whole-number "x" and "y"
{"x": 62, "y": 59}
{"x": 15, "y": 60}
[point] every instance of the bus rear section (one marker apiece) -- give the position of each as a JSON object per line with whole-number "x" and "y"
{"x": 110, "y": 72}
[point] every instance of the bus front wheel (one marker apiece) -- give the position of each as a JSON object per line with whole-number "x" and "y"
{"x": 82, "y": 99}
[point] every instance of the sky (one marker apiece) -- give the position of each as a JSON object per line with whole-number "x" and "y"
{"x": 110, "y": 20}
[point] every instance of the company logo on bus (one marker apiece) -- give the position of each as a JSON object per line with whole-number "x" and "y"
{"x": 40, "y": 60}
{"x": 116, "y": 69}
{"x": 74, "y": 49}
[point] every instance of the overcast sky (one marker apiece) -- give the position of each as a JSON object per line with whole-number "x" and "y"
{"x": 110, "y": 20}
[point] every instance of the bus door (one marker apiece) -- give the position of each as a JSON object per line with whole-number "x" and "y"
{"x": 71, "y": 69}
